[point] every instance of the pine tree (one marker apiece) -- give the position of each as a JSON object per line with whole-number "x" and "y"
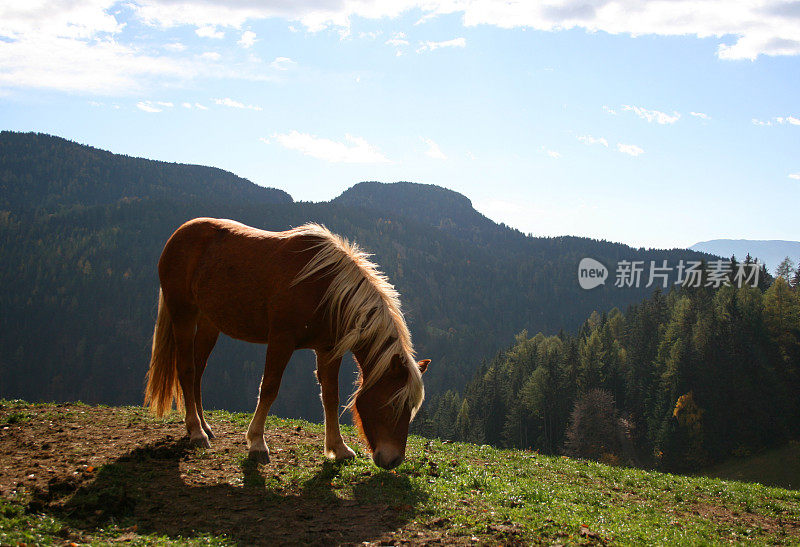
{"x": 785, "y": 269}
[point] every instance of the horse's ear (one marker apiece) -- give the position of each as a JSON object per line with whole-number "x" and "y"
{"x": 423, "y": 365}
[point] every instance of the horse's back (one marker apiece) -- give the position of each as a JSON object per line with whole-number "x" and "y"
{"x": 237, "y": 276}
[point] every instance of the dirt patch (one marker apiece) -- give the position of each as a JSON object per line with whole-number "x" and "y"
{"x": 733, "y": 519}
{"x": 91, "y": 466}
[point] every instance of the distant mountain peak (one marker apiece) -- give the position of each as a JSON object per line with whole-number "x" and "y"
{"x": 768, "y": 251}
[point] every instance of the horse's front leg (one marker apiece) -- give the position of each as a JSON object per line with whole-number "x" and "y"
{"x": 328, "y": 376}
{"x": 279, "y": 350}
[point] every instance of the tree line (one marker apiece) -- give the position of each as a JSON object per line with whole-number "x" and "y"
{"x": 679, "y": 381}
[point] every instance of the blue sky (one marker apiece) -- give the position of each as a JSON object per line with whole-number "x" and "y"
{"x": 656, "y": 124}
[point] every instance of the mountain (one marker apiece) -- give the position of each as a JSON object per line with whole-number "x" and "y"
{"x": 50, "y": 173}
{"x": 81, "y": 231}
{"x": 427, "y": 203}
{"x": 770, "y": 252}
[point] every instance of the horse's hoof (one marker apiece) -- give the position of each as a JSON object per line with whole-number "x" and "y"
{"x": 259, "y": 456}
{"x": 200, "y": 442}
{"x": 210, "y": 434}
{"x": 341, "y": 454}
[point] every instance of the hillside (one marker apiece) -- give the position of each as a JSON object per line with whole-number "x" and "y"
{"x": 774, "y": 467}
{"x": 648, "y": 383}
{"x": 770, "y": 252}
{"x": 73, "y": 473}
{"x": 81, "y": 231}
{"x": 46, "y": 173}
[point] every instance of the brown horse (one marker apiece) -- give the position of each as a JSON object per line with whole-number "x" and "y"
{"x": 302, "y": 288}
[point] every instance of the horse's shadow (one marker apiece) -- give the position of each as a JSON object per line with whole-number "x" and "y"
{"x": 144, "y": 488}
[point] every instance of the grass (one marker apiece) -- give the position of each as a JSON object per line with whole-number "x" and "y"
{"x": 776, "y": 467}
{"x": 21, "y": 528}
{"x": 452, "y": 492}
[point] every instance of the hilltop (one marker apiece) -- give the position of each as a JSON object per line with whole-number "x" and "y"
{"x": 73, "y": 473}
{"x": 44, "y": 172}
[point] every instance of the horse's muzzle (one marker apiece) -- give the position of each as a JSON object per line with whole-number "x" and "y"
{"x": 387, "y": 458}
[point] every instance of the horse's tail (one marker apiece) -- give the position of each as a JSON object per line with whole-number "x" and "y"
{"x": 162, "y": 378}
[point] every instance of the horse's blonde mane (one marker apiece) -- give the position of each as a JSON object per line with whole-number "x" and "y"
{"x": 365, "y": 310}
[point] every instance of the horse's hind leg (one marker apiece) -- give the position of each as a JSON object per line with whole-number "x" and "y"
{"x": 328, "y": 376}
{"x": 204, "y": 340}
{"x": 279, "y": 350}
{"x": 183, "y": 326}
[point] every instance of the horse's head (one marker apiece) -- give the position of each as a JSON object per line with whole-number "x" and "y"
{"x": 382, "y": 411}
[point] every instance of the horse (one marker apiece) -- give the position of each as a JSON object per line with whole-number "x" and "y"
{"x": 304, "y": 288}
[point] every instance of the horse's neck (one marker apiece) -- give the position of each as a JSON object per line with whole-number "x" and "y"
{"x": 361, "y": 357}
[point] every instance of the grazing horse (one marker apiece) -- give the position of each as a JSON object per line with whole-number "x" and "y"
{"x": 302, "y": 288}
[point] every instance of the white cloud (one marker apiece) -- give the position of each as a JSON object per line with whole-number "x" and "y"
{"x": 432, "y": 46}
{"x": 80, "y": 46}
{"x": 778, "y": 120}
{"x": 248, "y": 39}
{"x": 653, "y": 115}
{"x": 102, "y": 66}
{"x": 227, "y": 101}
{"x": 77, "y": 46}
{"x": 795, "y": 176}
{"x": 210, "y": 31}
{"x": 701, "y": 115}
{"x": 190, "y": 106}
{"x": 433, "y": 150}
{"x": 148, "y": 106}
{"x": 630, "y": 149}
{"x": 398, "y": 39}
{"x": 282, "y": 63}
{"x": 791, "y": 120}
{"x": 609, "y": 110}
{"x": 353, "y": 150}
{"x": 749, "y": 29}
{"x": 588, "y": 139}
{"x": 551, "y": 153}
{"x": 211, "y": 56}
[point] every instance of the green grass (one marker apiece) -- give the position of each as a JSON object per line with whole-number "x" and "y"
{"x": 776, "y": 467}
{"x": 21, "y": 528}
{"x": 453, "y": 490}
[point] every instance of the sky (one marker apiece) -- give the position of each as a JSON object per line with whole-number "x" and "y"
{"x": 652, "y": 123}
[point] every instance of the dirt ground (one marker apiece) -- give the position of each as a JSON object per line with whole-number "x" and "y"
{"x": 54, "y": 453}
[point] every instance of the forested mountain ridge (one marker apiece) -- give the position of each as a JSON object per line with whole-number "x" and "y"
{"x": 425, "y": 203}
{"x": 81, "y": 231}
{"x": 42, "y": 172}
{"x": 680, "y": 381}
